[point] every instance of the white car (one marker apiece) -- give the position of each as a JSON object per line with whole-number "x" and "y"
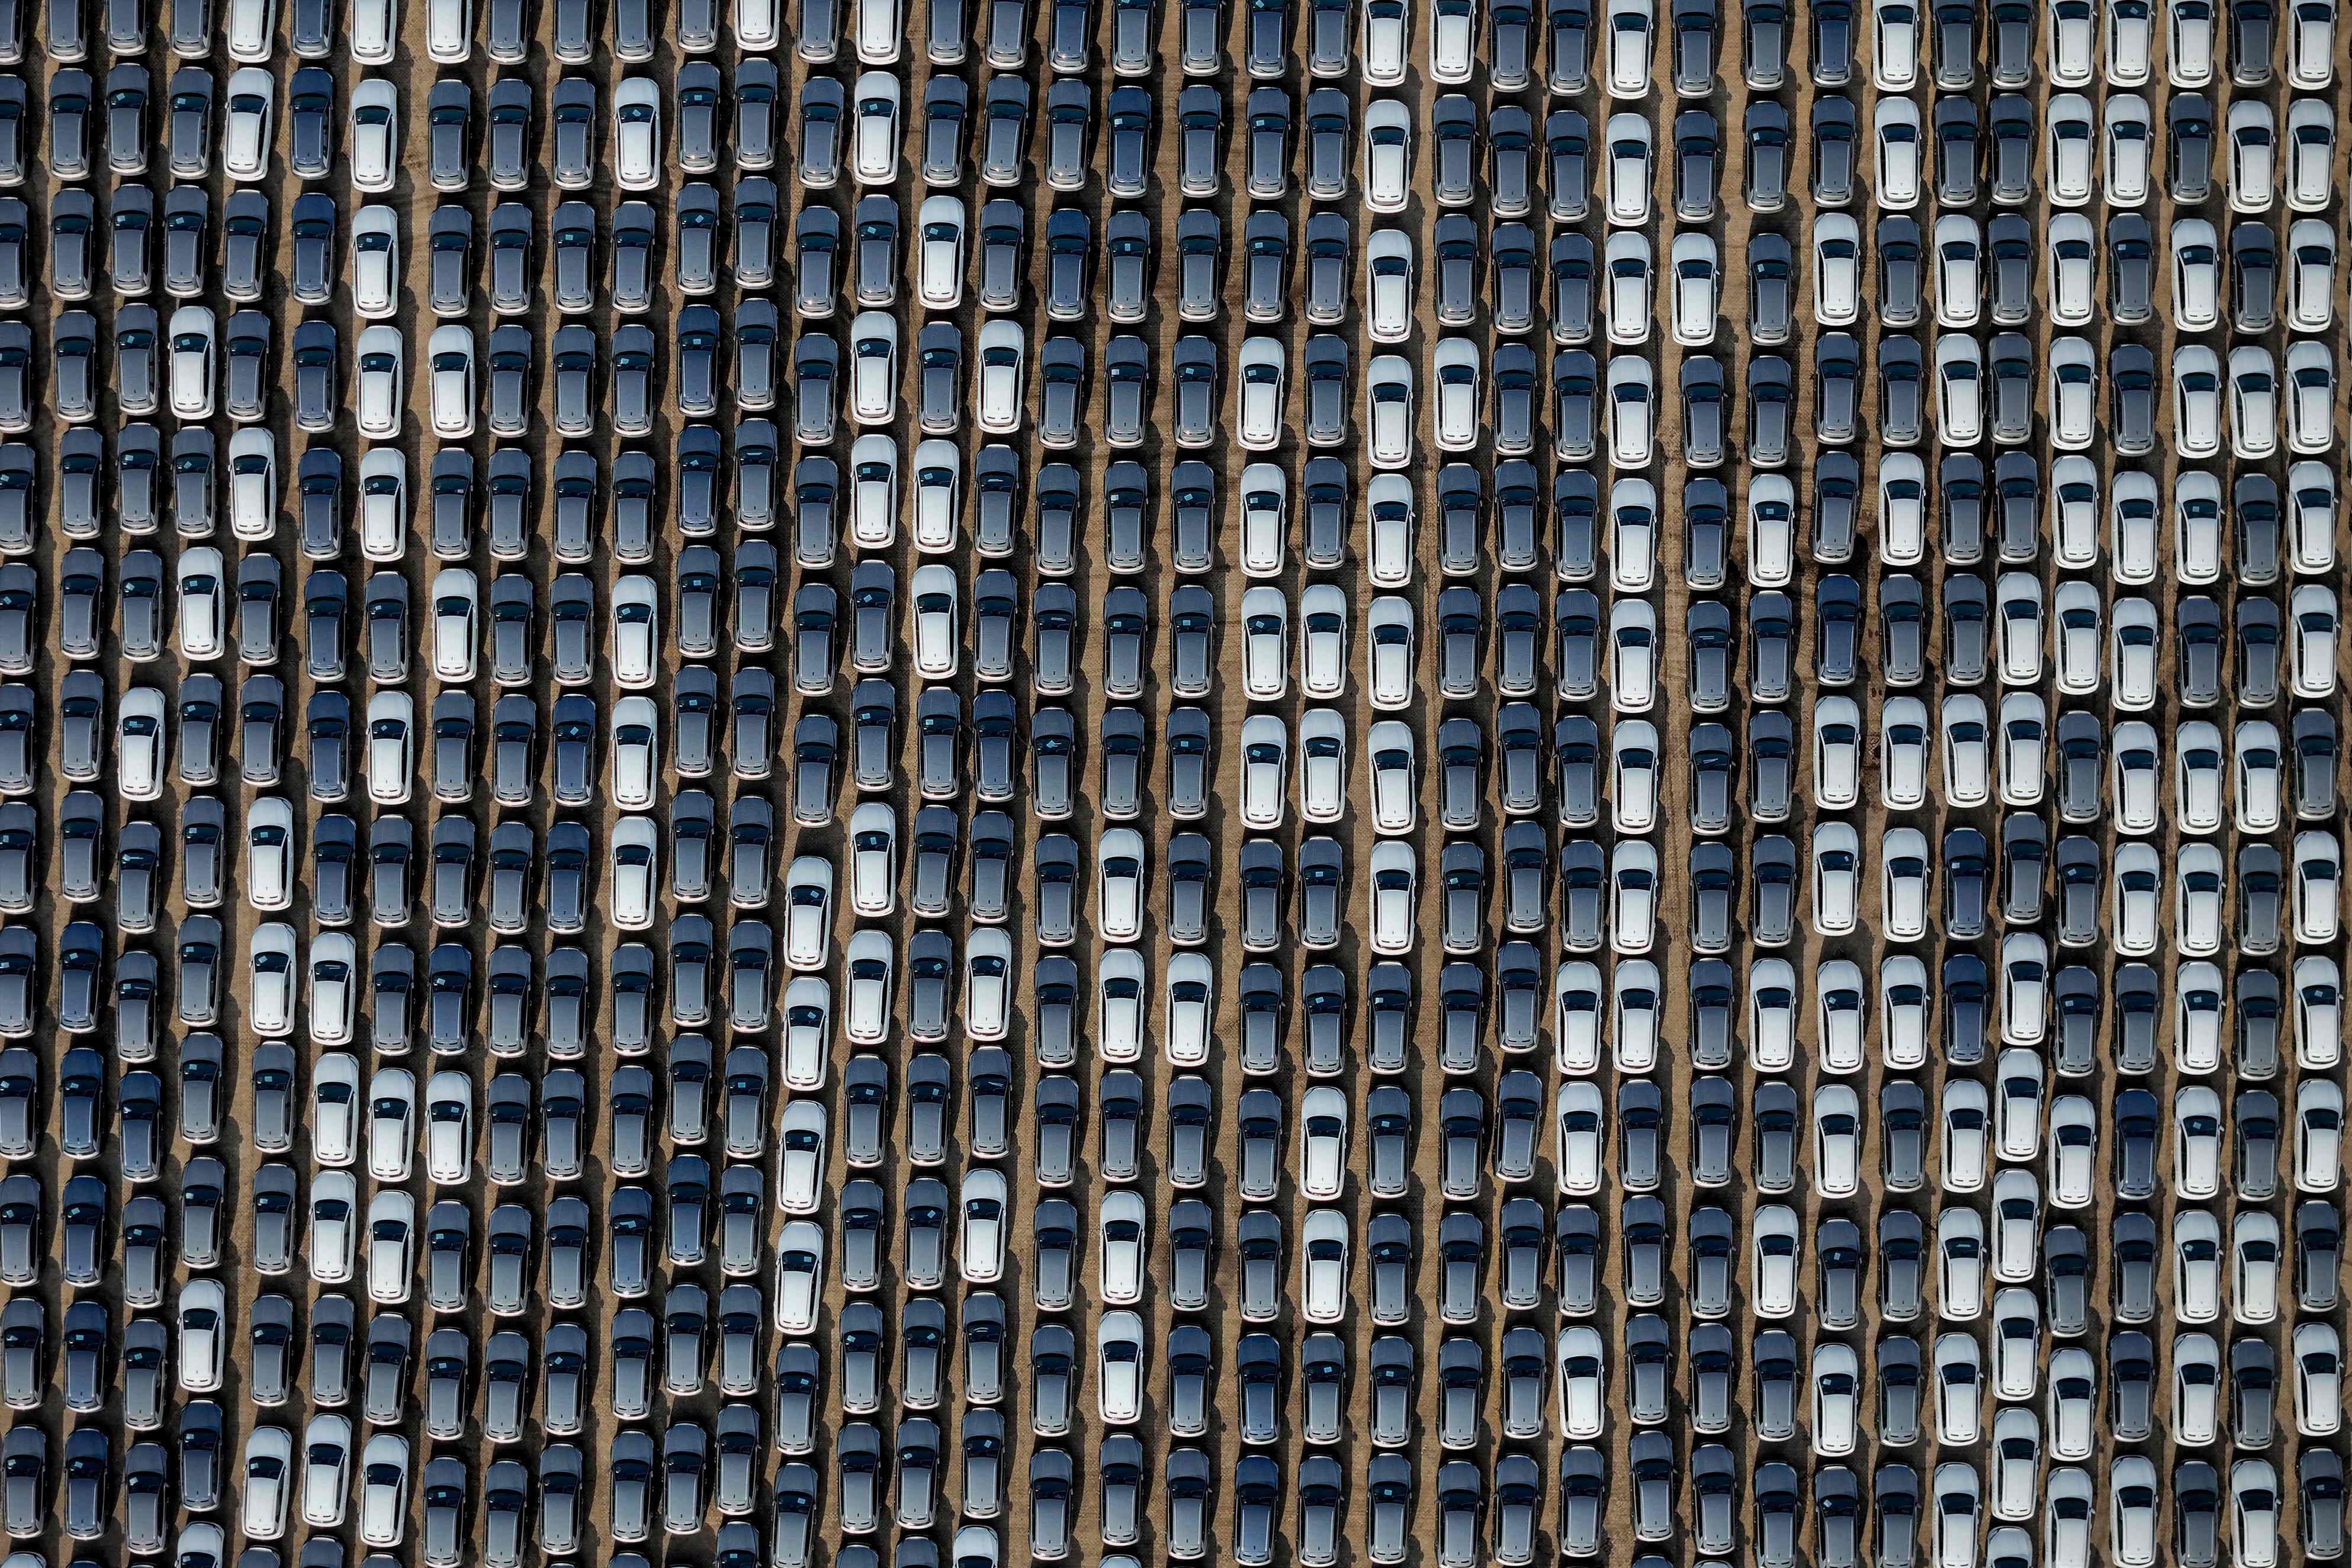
{"x": 808, "y": 920}
{"x": 1124, "y": 1241}
{"x": 874, "y": 859}
{"x": 1901, "y": 150}
{"x": 1893, "y": 46}
{"x": 1388, "y": 156}
{"x": 637, "y": 631}
{"x": 1191, "y": 1005}
{"x": 873, "y": 491}
{"x": 2071, "y": 149}
{"x": 456, "y": 614}
{"x": 271, "y": 966}
{"x": 253, "y": 483}
{"x": 246, "y": 131}
{"x": 636, "y": 856}
{"x": 1121, "y": 895}
{"x": 392, "y": 1123}
{"x": 1903, "y": 750}
{"x": 1630, "y": 170}
{"x": 326, "y": 1470}
{"x": 2310, "y": 153}
{"x": 251, "y": 29}
{"x": 871, "y": 963}
{"x": 334, "y": 991}
{"x": 1959, "y": 389}
{"x": 1959, "y": 271}
{"x": 1119, "y": 1371}
{"x": 448, "y": 31}
{"x": 1778, "y": 1262}
{"x": 999, "y": 375}
{"x": 1387, "y": 285}
{"x": 269, "y": 1477}
{"x": 383, "y": 1488}
{"x": 334, "y": 1227}
{"x": 204, "y": 1335}
{"x": 1580, "y": 1129}
{"x": 1323, "y": 1142}
{"x": 2249, "y": 164}
{"x": 1584, "y": 1379}
{"x": 2074, "y": 394}
{"x": 939, "y": 272}
{"x": 800, "y": 1156}
{"x": 1388, "y": 652}
{"x": 800, "y": 1276}
{"x": 873, "y": 368}
{"x": 1629, "y": 42}
{"x": 1390, "y": 748}
{"x": 449, "y": 1128}
{"x": 985, "y": 1217}
{"x": 2073, "y": 268}
{"x": 2025, "y": 989}
{"x": 1633, "y": 776}
{"x": 987, "y": 985}
{"x": 874, "y": 142}
{"x": 1323, "y": 640}
{"x": 1323, "y": 1266}
{"x": 1265, "y": 520}
{"x": 1265, "y": 767}
{"x": 1454, "y": 411}
{"x": 203, "y": 597}
{"x": 755, "y": 27}
{"x": 1959, "y": 1385}
{"x": 381, "y": 356}
{"x": 1837, "y": 1397}
{"x": 2311, "y": 276}
{"x": 2310, "y": 399}
{"x": 373, "y": 156}
{"x": 1261, "y": 367}
{"x": 2318, "y": 885}
{"x": 451, "y": 355}
{"x": 636, "y": 753}
{"x": 1697, "y": 288}
{"x": 1388, "y": 410}
{"x": 879, "y": 33}
{"x": 269, "y": 851}
{"x": 1626, "y": 264}
{"x": 2312, "y": 651}
{"x": 2074, "y": 511}
{"x": 391, "y": 747}
{"x": 1385, "y": 22}
{"x": 2127, "y": 149}
{"x": 2311, "y": 533}
{"x": 636, "y": 133}
{"x": 1393, "y": 878}
{"x": 383, "y": 504}
{"x": 1632, "y": 656}
{"x": 2318, "y": 1380}
{"x": 1576, "y": 1016}
{"x": 192, "y": 354}
{"x": 2080, "y": 642}
{"x": 2196, "y": 274}
{"x": 374, "y": 30}
{"x": 1633, "y": 416}
{"x": 334, "y": 1102}
{"x": 1389, "y": 513}
{"x": 391, "y": 1246}
{"x": 808, "y": 1019}
{"x": 1120, "y": 1003}
{"x": 934, "y": 607}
